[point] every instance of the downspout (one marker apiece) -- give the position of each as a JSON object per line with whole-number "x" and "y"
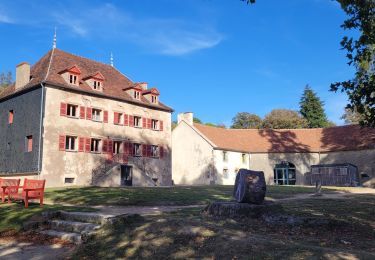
{"x": 40, "y": 130}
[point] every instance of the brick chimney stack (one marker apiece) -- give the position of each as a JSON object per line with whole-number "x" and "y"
{"x": 22, "y": 74}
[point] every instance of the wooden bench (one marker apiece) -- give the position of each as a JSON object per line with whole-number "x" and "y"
{"x": 31, "y": 189}
{"x": 8, "y": 185}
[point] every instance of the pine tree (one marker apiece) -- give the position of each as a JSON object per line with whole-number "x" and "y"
{"x": 311, "y": 108}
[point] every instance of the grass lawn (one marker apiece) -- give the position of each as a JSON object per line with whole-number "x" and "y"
{"x": 189, "y": 234}
{"x": 143, "y": 196}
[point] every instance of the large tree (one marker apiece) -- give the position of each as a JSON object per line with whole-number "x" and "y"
{"x": 360, "y": 53}
{"x": 284, "y": 119}
{"x": 6, "y": 79}
{"x": 311, "y": 108}
{"x": 245, "y": 120}
{"x": 352, "y": 117}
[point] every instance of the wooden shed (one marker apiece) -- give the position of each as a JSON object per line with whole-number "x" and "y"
{"x": 345, "y": 174}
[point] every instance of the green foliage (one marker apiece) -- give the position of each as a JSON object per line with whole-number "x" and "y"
{"x": 361, "y": 55}
{"x": 6, "y": 79}
{"x": 352, "y": 117}
{"x": 245, "y": 120}
{"x": 311, "y": 108}
{"x": 197, "y": 120}
{"x": 284, "y": 119}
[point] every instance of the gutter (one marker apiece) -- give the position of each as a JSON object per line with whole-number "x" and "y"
{"x": 40, "y": 130}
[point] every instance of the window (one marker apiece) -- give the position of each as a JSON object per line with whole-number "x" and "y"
{"x": 225, "y": 156}
{"x": 137, "y": 121}
{"x": 225, "y": 173}
{"x": 95, "y": 145}
{"x": 244, "y": 158}
{"x": 73, "y": 79}
{"x": 70, "y": 143}
{"x": 154, "y": 99}
{"x": 137, "y": 150}
{"x": 154, "y": 124}
{"x": 137, "y": 94}
{"x": 154, "y": 151}
{"x": 29, "y": 143}
{"x": 69, "y": 180}
{"x": 116, "y": 147}
{"x": 96, "y": 115}
{"x": 97, "y": 85}
{"x": 72, "y": 110}
{"x": 8, "y": 145}
{"x": 10, "y": 117}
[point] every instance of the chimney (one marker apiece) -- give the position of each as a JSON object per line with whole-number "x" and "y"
{"x": 187, "y": 117}
{"x": 143, "y": 85}
{"x": 22, "y": 74}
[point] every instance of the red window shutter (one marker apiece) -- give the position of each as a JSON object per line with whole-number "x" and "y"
{"x": 82, "y": 112}
{"x": 126, "y": 119}
{"x": 131, "y": 149}
{"x": 126, "y": 148}
{"x": 62, "y": 142}
{"x": 81, "y": 144}
{"x": 161, "y": 152}
{"x": 144, "y": 123}
{"x": 10, "y": 119}
{"x": 144, "y": 150}
{"x": 105, "y": 119}
{"x": 88, "y": 145}
{"x": 88, "y": 113}
{"x": 105, "y": 146}
{"x": 63, "y": 107}
{"x": 149, "y": 123}
{"x": 161, "y": 125}
{"x": 116, "y": 118}
{"x": 110, "y": 147}
{"x": 30, "y": 144}
{"x": 131, "y": 121}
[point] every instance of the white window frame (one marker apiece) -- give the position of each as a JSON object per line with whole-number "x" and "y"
{"x": 154, "y": 124}
{"x": 69, "y": 107}
{"x": 117, "y": 147}
{"x": 73, "y": 79}
{"x": 95, "y": 145}
{"x": 71, "y": 143}
{"x": 137, "y": 149}
{"x": 138, "y": 119}
{"x": 137, "y": 94}
{"x": 95, "y": 116}
{"x": 97, "y": 85}
{"x": 155, "y": 151}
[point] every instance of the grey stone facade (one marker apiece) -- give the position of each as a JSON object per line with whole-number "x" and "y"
{"x": 14, "y": 159}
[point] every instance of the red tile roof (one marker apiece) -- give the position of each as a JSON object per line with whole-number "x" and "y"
{"x": 341, "y": 138}
{"x": 47, "y": 70}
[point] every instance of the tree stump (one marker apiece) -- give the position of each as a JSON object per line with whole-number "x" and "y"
{"x": 250, "y": 187}
{"x": 238, "y": 210}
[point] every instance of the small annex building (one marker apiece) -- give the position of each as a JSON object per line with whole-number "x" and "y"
{"x": 75, "y": 121}
{"x": 211, "y": 155}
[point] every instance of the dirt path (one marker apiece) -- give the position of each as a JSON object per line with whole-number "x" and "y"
{"x": 14, "y": 250}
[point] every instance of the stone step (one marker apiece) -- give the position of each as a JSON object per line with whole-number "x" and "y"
{"x": 68, "y": 236}
{"x": 87, "y": 217}
{"x": 72, "y": 226}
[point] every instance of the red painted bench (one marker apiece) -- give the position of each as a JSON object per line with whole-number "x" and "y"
{"x": 31, "y": 189}
{"x": 8, "y": 185}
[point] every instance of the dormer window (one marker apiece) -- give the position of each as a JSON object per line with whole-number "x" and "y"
{"x": 154, "y": 99}
{"x": 152, "y": 95}
{"x": 97, "y": 85}
{"x": 137, "y": 94}
{"x": 73, "y": 79}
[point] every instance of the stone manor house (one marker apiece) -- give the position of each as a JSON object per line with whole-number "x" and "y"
{"x": 75, "y": 121}
{"x": 212, "y": 155}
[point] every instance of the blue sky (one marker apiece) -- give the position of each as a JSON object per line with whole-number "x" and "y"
{"x": 212, "y": 57}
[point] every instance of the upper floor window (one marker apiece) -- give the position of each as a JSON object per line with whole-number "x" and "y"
{"x": 244, "y": 158}
{"x": 97, "y": 85}
{"x": 154, "y": 99}
{"x": 225, "y": 173}
{"x": 95, "y": 145}
{"x": 225, "y": 156}
{"x": 73, "y": 79}
{"x": 96, "y": 114}
{"x": 72, "y": 110}
{"x": 137, "y": 150}
{"x": 10, "y": 117}
{"x": 154, "y": 124}
{"x": 137, "y": 121}
{"x": 116, "y": 147}
{"x": 29, "y": 143}
{"x": 137, "y": 94}
{"x": 70, "y": 143}
{"x": 118, "y": 118}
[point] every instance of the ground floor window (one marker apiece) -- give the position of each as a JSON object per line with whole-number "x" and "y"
{"x": 116, "y": 147}
{"x": 95, "y": 145}
{"x": 285, "y": 174}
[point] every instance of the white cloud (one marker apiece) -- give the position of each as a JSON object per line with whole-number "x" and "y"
{"x": 5, "y": 19}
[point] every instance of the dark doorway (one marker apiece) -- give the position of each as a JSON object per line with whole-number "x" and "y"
{"x": 126, "y": 175}
{"x": 285, "y": 174}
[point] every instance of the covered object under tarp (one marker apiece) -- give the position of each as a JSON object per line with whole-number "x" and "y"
{"x": 345, "y": 174}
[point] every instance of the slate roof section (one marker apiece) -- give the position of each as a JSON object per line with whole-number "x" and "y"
{"x": 48, "y": 68}
{"x": 333, "y": 139}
